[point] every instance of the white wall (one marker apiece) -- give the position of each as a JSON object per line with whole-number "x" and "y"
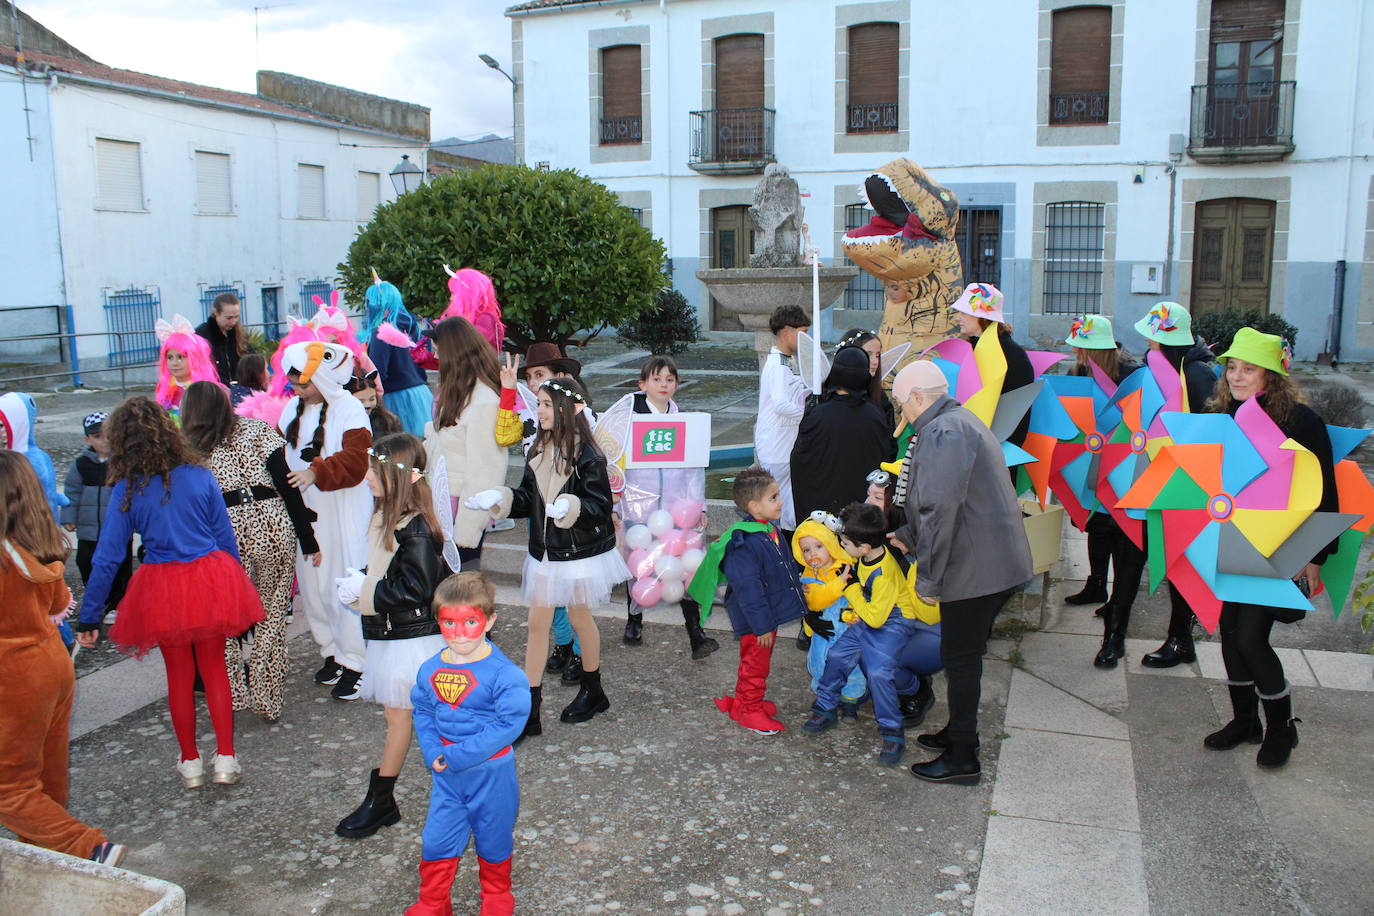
{"x": 28, "y": 233}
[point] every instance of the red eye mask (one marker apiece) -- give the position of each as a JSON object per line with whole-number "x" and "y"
{"x": 461, "y": 621}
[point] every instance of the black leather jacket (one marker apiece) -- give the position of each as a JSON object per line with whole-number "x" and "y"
{"x": 593, "y": 532}
{"x": 404, "y": 595}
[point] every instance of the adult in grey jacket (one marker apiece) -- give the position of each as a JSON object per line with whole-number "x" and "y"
{"x": 964, "y": 527}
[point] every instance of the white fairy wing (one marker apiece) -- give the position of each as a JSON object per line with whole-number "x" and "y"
{"x": 443, "y": 510}
{"x": 528, "y": 400}
{"x": 888, "y": 362}
{"x": 806, "y": 362}
{"x": 613, "y": 428}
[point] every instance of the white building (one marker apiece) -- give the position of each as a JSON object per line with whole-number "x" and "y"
{"x": 146, "y": 197}
{"x": 1216, "y": 152}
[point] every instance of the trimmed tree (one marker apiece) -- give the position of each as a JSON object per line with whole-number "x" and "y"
{"x": 566, "y": 258}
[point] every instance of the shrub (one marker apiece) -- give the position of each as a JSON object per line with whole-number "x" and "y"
{"x": 1217, "y": 328}
{"x": 258, "y": 342}
{"x": 564, "y": 255}
{"x": 1338, "y": 405}
{"x": 667, "y": 326}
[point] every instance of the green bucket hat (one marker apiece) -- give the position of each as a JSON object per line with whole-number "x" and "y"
{"x": 1167, "y": 323}
{"x": 1091, "y": 332}
{"x": 1268, "y": 351}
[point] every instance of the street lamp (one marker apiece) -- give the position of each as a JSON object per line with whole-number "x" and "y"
{"x": 406, "y": 177}
{"x": 494, "y": 64}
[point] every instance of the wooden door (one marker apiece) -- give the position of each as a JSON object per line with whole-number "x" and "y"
{"x": 732, "y": 241}
{"x": 1233, "y": 250}
{"x": 737, "y": 128}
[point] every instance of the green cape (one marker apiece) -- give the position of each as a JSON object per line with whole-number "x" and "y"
{"x": 709, "y": 574}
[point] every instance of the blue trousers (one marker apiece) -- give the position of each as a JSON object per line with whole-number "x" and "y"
{"x": 876, "y": 652}
{"x": 920, "y": 656}
{"x": 563, "y": 632}
{"x": 479, "y": 802}
{"x": 856, "y": 684}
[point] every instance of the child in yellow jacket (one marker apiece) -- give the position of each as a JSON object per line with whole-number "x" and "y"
{"x": 816, "y": 547}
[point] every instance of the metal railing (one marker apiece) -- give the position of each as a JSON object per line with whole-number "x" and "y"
{"x": 875, "y": 118}
{"x": 628, "y": 129}
{"x": 1078, "y": 108}
{"x": 724, "y": 135}
{"x": 1240, "y": 115}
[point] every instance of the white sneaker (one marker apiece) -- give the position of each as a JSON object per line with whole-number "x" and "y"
{"x": 505, "y": 524}
{"x": 109, "y": 617}
{"x": 226, "y": 770}
{"x": 192, "y": 773}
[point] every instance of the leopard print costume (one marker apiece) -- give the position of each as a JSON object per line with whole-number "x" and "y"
{"x": 267, "y": 546}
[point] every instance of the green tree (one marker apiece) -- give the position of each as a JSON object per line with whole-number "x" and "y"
{"x": 667, "y": 327}
{"x": 564, "y": 255}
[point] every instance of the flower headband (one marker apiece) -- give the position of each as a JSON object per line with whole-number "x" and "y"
{"x": 1160, "y": 319}
{"x": 851, "y": 340}
{"x": 980, "y": 301}
{"x": 386, "y": 459}
{"x": 1081, "y": 327}
{"x": 555, "y": 385}
{"x": 822, "y": 517}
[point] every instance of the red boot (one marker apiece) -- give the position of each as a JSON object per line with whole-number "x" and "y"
{"x": 497, "y": 900}
{"x": 436, "y": 888}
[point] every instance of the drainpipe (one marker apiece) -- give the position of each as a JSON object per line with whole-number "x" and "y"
{"x": 1168, "y": 285}
{"x": 1333, "y": 336}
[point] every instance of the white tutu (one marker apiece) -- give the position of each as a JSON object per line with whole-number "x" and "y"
{"x": 573, "y": 583}
{"x": 390, "y": 666}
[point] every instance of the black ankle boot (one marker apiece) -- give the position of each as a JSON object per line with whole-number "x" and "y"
{"x": 378, "y": 809}
{"x": 590, "y": 699}
{"x": 702, "y": 645}
{"x": 1095, "y": 589}
{"x": 573, "y": 673}
{"x": 559, "y": 658}
{"x": 1280, "y": 732}
{"x": 1175, "y": 651}
{"x": 958, "y": 764}
{"x": 935, "y": 741}
{"x": 915, "y": 707}
{"x": 1113, "y": 638}
{"x": 634, "y": 629}
{"x": 532, "y": 725}
{"x": 1244, "y": 725}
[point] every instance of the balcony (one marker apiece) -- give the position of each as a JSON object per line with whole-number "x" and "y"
{"x": 732, "y": 141}
{"x": 880, "y": 118}
{"x": 1242, "y": 122}
{"x": 615, "y": 131}
{"x": 1078, "y": 108}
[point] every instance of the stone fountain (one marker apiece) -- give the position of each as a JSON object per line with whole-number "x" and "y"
{"x": 776, "y": 274}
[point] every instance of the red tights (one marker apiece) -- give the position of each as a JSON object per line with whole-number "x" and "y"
{"x": 182, "y": 662}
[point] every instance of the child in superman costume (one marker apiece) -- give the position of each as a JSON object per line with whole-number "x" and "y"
{"x": 471, "y": 703}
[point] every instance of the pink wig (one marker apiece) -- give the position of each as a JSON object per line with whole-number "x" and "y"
{"x": 198, "y": 357}
{"x": 473, "y": 296}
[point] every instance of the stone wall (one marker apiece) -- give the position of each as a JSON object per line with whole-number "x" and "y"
{"x": 400, "y": 118}
{"x": 36, "y": 38}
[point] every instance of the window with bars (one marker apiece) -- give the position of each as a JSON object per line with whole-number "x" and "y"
{"x": 1080, "y": 65}
{"x": 865, "y": 291}
{"x": 621, "y": 104}
{"x": 309, "y": 290}
{"x": 1075, "y": 238}
{"x": 208, "y": 295}
{"x": 213, "y": 195}
{"x": 872, "y": 84}
{"x": 118, "y": 175}
{"x": 130, "y": 315}
{"x": 310, "y": 179}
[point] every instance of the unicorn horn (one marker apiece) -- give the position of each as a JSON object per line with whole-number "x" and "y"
{"x": 449, "y": 270}
{"x": 376, "y": 280}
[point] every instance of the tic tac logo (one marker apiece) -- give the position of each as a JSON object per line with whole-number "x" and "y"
{"x": 664, "y": 440}
{"x": 452, "y": 685}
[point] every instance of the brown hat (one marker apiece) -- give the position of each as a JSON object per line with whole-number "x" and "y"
{"x": 544, "y": 353}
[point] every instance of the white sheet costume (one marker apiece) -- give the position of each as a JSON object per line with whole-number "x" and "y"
{"x": 782, "y": 395}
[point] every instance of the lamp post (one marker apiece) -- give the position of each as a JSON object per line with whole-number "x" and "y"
{"x": 494, "y": 64}
{"x": 406, "y": 177}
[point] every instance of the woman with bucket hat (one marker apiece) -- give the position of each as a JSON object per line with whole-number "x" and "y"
{"x": 978, "y": 308}
{"x": 1257, "y": 367}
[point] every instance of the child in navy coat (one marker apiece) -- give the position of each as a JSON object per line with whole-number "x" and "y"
{"x": 764, "y": 592}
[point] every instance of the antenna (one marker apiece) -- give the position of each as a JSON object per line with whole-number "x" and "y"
{"x": 257, "y": 45}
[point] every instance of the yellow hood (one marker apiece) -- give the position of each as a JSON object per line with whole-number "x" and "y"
{"x": 829, "y": 540}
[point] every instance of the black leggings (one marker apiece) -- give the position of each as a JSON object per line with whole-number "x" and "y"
{"x": 1245, "y": 648}
{"x": 1102, "y": 532}
{"x": 964, "y": 629}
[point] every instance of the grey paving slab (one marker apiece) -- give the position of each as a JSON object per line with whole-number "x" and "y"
{"x": 1342, "y": 670}
{"x": 1066, "y": 661}
{"x": 1294, "y": 664}
{"x": 1033, "y": 867}
{"x": 1068, "y": 778}
{"x": 1069, "y": 618}
{"x": 1034, "y": 704}
{"x": 1136, "y": 650}
{"x": 1209, "y": 660}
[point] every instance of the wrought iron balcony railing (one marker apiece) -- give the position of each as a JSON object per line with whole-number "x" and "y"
{"x": 877, "y": 118}
{"x": 1231, "y": 120}
{"x": 628, "y": 129}
{"x": 1078, "y": 108}
{"x": 726, "y": 136}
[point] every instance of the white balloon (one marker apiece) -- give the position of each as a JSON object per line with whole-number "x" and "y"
{"x": 673, "y": 592}
{"x": 660, "y": 523}
{"x": 638, "y": 537}
{"x": 669, "y": 568}
{"x": 692, "y": 558}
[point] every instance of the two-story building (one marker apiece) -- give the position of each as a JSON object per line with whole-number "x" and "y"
{"x": 1106, "y": 156}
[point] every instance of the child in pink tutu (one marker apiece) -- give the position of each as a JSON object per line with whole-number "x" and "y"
{"x": 190, "y": 593}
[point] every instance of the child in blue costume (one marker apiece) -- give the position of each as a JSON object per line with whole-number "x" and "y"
{"x": 471, "y": 703}
{"x": 883, "y": 614}
{"x": 824, "y": 564}
{"x": 405, "y": 389}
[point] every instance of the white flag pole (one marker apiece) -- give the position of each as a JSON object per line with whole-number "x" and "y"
{"x": 812, "y": 254}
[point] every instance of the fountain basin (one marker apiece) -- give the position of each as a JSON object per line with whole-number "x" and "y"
{"x": 752, "y": 293}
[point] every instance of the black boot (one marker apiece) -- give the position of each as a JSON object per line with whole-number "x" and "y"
{"x": 1095, "y": 589}
{"x": 1280, "y": 731}
{"x": 1244, "y": 725}
{"x": 935, "y": 741}
{"x": 1113, "y": 638}
{"x": 590, "y": 699}
{"x": 959, "y": 764}
{"x": 532, "y": 725}
{"x": 915, "y": 707}
{"x": 702, "y": 645}
{"x": 573, "y": 673}
{"x": 559, "y": 658}
{"x": 634, "y": 629}
{"x": 378, "y": 809}
{"x": 803, "y": 641}
{"x": 1175, "y": 651}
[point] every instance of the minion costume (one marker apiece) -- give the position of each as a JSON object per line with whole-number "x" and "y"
{"x": 825, "y": 601}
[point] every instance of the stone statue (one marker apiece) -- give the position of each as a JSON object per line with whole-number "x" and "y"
{"x": 776, "y": 215}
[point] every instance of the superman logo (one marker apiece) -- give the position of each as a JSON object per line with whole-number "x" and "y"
{"x": 452, "y": 685}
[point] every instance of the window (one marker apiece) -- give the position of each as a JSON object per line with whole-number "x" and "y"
{"x": 118, "y": 175}
{"x": 1075, "y": 234}
{"x": 210, "y": 292}
{"x": 130, "y": 315}
{"x": 621, "y": 113}
{"x": 369, "y": 194}
{"x": 212, "y": 184}
{"x": 1080, "y": 65}
{"x": 309, "y": 290}
{"x": 865, "y": 291}
{"x": 638, "y": 214}
{"x": 311, "y": 181}
{"x": 873, "y": 65}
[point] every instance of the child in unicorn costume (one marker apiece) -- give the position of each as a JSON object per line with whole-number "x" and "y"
{"x": 472, "y": 296}
{"x": 327, "y": 441}
{"x": 183, "y": 357}
{"x": 407, "y": 392}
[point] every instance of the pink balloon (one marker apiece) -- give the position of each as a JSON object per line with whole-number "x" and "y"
{"x": 693, "y": 540}
{"x": 674, "y": 543}
{"x": 641, "y": 563}
{"x": 686, "y": 513}
{"x": 647, "y": 592}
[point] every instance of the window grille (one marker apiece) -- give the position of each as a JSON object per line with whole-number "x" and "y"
{"x": 865, "y": 291}
{"x": 309, "y": 290}
{"x": 1075, "y": 235}
{"x": 129, "y": 318}
{"x": 208, "y": 295}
